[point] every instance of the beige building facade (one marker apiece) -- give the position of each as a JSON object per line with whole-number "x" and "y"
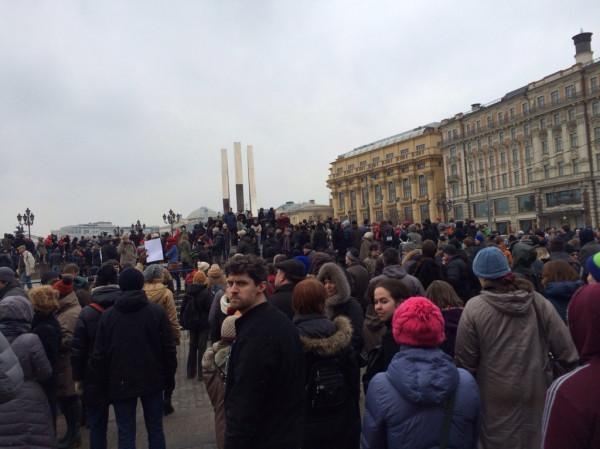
{"x": 400, "y": 178}
{"x": 532, "y": 158}
{"x": 309, "y": 211}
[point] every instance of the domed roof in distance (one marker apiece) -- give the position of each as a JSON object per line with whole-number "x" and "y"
{"x": 202, "y": 213}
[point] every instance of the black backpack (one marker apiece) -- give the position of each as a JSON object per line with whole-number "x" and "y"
{"x": 326, "y": 387}
{"x": 190, "y": 315}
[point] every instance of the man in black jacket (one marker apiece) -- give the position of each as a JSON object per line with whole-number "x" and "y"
{"x": 265, "y": 378}
{"x": 289, "y": 273}
{"x": 135, "y": 357}
{"x": 104, "y": 294}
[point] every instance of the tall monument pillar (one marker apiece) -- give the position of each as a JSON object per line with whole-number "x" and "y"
{"x": 239, "y": 177}
{"x": 225, "y": 180}
{"x": 251, "y": 181}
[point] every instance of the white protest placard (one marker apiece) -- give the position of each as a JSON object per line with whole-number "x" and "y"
{"x": 154, "y": 250}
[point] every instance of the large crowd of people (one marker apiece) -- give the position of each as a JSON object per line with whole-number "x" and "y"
{"x": 325, "y": 334}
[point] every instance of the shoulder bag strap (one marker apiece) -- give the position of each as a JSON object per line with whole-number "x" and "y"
{"x": 97, "y": 307}
{"x": 448, "y": 413}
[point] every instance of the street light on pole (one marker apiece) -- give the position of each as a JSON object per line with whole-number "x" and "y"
{"x": 27, "y": 220}
{"x": 137, "y": 226}
{"x": 171, "y": 218}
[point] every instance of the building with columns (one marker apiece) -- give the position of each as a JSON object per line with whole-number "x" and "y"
{"x": 400, "y": 178}
{"x": 531, "y": 158}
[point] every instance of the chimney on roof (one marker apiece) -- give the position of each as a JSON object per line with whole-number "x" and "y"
{"x": 583, "y": 48}
{"x": 475, "y": 107}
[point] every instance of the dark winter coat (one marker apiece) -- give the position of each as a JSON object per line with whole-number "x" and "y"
{"x": 451, "y": 319}
{"x": 379, "y": 358}
{"x": 360, "y": 276}
{"x": 459, "y": 275}
{"x": 427, "y": 270}
{"x": 342, "y": 303}
{"x": 47, "y": 328}
{"x": 134, "y": 353}
{"x": 264, "y": 392}
{"x": 405, "y": 406}
{"x": 195, "y": 307}
{"x": 84, "y": 339}
{"x": 560, "y": 293}
{"x": 13, "y": 288}
{"x": 326, "y": 340}
{"x": 282, "y": 299}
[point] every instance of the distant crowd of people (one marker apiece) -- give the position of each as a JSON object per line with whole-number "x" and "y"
{"x": 455, "y": 335}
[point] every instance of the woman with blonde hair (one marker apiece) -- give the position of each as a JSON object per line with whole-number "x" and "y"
{"x": 45, "y": 325}
{"x": 444, "y": 296}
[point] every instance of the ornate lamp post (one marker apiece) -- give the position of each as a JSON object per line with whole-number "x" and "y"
{"x": 137, "y": 227}
{"x": 171, "y": 218}
{"x": 27, "y": 220}
{"x": 118, "y": 231}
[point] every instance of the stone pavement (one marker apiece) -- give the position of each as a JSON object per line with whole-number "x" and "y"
{"x": 190, "y": 427}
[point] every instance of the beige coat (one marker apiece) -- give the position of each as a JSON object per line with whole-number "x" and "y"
{"x": 67, "y": 314}
{"x": 127, "y": 252}
{"x": 499, "y": 343}
{"x": 214, "y": 367}
{"x": 158, "y": 293}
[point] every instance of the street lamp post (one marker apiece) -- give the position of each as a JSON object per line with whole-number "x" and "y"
{"x": 171, "y": 218}
{"x": 137, "y": 227}
{"x": 27, "y": 220}
{"x": 118, "y": 231}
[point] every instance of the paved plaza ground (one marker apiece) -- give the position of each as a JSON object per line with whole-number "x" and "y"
{"x": 190, "y": 427}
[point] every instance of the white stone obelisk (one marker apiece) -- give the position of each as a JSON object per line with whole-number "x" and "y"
{"x": 239, "y": 177}
{"x": 225, "y": 180}
{"x": 251, "y": 180}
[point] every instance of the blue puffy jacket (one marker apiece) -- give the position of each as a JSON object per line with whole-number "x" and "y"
{"x": 405, "y": 405}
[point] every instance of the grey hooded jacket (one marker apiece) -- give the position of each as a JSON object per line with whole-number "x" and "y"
{"x": 11, "y": 374}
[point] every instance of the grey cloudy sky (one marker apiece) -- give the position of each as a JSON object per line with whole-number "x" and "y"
{"x": 117, "y": 110}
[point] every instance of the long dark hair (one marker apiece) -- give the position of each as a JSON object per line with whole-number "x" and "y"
{"x": 507, "y": 284}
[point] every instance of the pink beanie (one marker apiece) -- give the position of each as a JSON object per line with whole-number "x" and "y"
{"x": 418, "y": 322}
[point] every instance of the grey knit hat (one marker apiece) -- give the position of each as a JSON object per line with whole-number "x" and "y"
{"x": 153, "y": 272}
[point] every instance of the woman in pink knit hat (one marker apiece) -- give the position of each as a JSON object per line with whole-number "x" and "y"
{"x": 422, "y": 400}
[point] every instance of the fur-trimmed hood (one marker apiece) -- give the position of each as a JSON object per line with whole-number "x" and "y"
{"x": 335, "y": 343}
{"x": 334, "y": 272}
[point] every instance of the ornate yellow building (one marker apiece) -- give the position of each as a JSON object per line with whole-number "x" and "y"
{"x": 400, "y": 178}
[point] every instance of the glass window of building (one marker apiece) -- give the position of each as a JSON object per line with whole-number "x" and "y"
{"x": 470, "y": 165}
{"x": 502, "y": 157}
{"x": 338, "y": 171}
{"x": 558, "y": 144}
{"x": 504, "y": 180}
{"x": 480, "y": 209}
{"x": 542, "y": 123}
{"x": 501, "y": 206}
{"x": 471, "y": 186}
{"x": 596, "y": 108}
{"x": 489, "y": 121}
{"x": 391, "y": 191}
{"x": 527, "y": 153}
{"x": 453, "y": 170}
{"x": 353, "y": 199}
{"x": 375, "y": 161}
{"x": 540, "y": 101}
{"x": 404, "y": 153}
{"x": 554, "y": 97}
{"x": 513, "y": 133}
{"x": 561, "y": 168}
{"x": 341, "y": 200}
{"x": 424, "y": 212}
{"x": 479, "y": 144}
{"x": 362, "y": 165}
{"x": 526, "y": 203}
{"x": 517, "y": 178}
{"x": 406, "y": 189}
{"x": 500, "y": 118}
{"x": 571, "y": 114}
{"x": 546, "y": 171}
{"x": 478, "y": 125}
{"x": 408, "y": 215}
{"x": 420, "y": 149}
{"x": 573, "y": 140}
{"x": 515, "y": 155}
{"x": 378, "y": 194}
{"x": 420, "y": 165}
{"x": 492, "y": 161}
{"x": 575, "y": 166}
{"x": 422, "y": 185}
{"x": 480, "y": 163}
{"x": 556, "y": 118}
{"x": 529, "y": 175}
{"x": 594, "y": 83}
{"x": 481, "y": 185}
{"x": 563, "y": 197}
{"x": 493, "y": 182}
{"x": 526, "y": 129}
{"x": 597, "y": 134}
{"x": 389, "y": 156}
{"x": 454, "y": 189}
{"x": 458, "y": 212}
{"x": 570, "y": 91}
{"x": 525, "y": 108}
{"x": 544, "y": 146}
{"x": 501, "y": 136}
{"x": 365, "y": 196}
{"x": 452, "y": 151}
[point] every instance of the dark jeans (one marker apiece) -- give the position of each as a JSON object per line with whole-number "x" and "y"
{"x": 71, "y": 409}
{"x": 153, "y": 415}
{"x": 196, "y": 351}
{"x": 97, "y": 417}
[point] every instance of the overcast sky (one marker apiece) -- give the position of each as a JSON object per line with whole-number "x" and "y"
{"x": 117, "y": 110}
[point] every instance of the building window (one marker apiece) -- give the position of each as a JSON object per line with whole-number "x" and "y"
{"x": 338, "y": 171}
{"x": 594, "y": 83}
{"x": 502, "y": 158}
{"x": 515, "y": 155}
{"x": 365, "y": 196}
{"x": 501, "y": 136}
{"x": 558, "y": 144}
{"x": 479, "y": 144}
{"x": 408, "y": 215}
{"x": 341, "y": 204}
{"x": 546, "y": 171}
{"x": 362, "y": 165}
{"x": 458, "y": 212}
{"x": 504, "y": 180}
{"x": 540, "y": 101}
{"x": 513, "y": 133}
{"x": 480, "y": 209}
{"x": 480, "y": 163}
{"x": 542, "y": 123}
{"x": 454, "y": 190}
{"x": 571, "y": 114}
{"x": 353, "y": 199}
{"x": 596, "y": 108}
{"x": 375, "y": 161}
{"x": 500, "y": 118}
{"x": 544, "y": 146}
{"x": 570, "y": 91}
{"x": 491, "y": 161}
{"x": 556, "y": 119}
{"x": 501, "y": 206}
{"x": 525, "y": 108}
{"x": 389, "y": 157}
{"x": 378, "y": 194}
{"x": 422, "y": 185}
{"x": 424, "y": 209}
{"x": 526, "y": 203}
{"x": 490, "y": 141}
{"x": 526, "y": 129}
{"x": 512, "y": 113}
{"x": 421, "y": 165}
{"x": 452, "y": 151}
{"x": 391, "y": 191}
{"x": 529, "y": 175}
{"x": 453, "y": 170}
{"x": 597, "y": 134}
{"x": 478, "y": 125}
{"x": 472, "y": 186}
{"x": 527, "y": 154}
{"x": 573, "y": 140}
{"x": 493, "y": 182}
{"x": 489, "y": 121}
{"x": 554, "y": 99}
{"x": 481, "y": 185}
{"x": 561, "y": 168}
{"x": 517, "y": 177}
{"x": 575, "y": 166}
{"x": 565, "y": 197}
{"x": 404, "y": 153}
{"x": 420, "y": 149}
{"x": 406, "y": 189}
